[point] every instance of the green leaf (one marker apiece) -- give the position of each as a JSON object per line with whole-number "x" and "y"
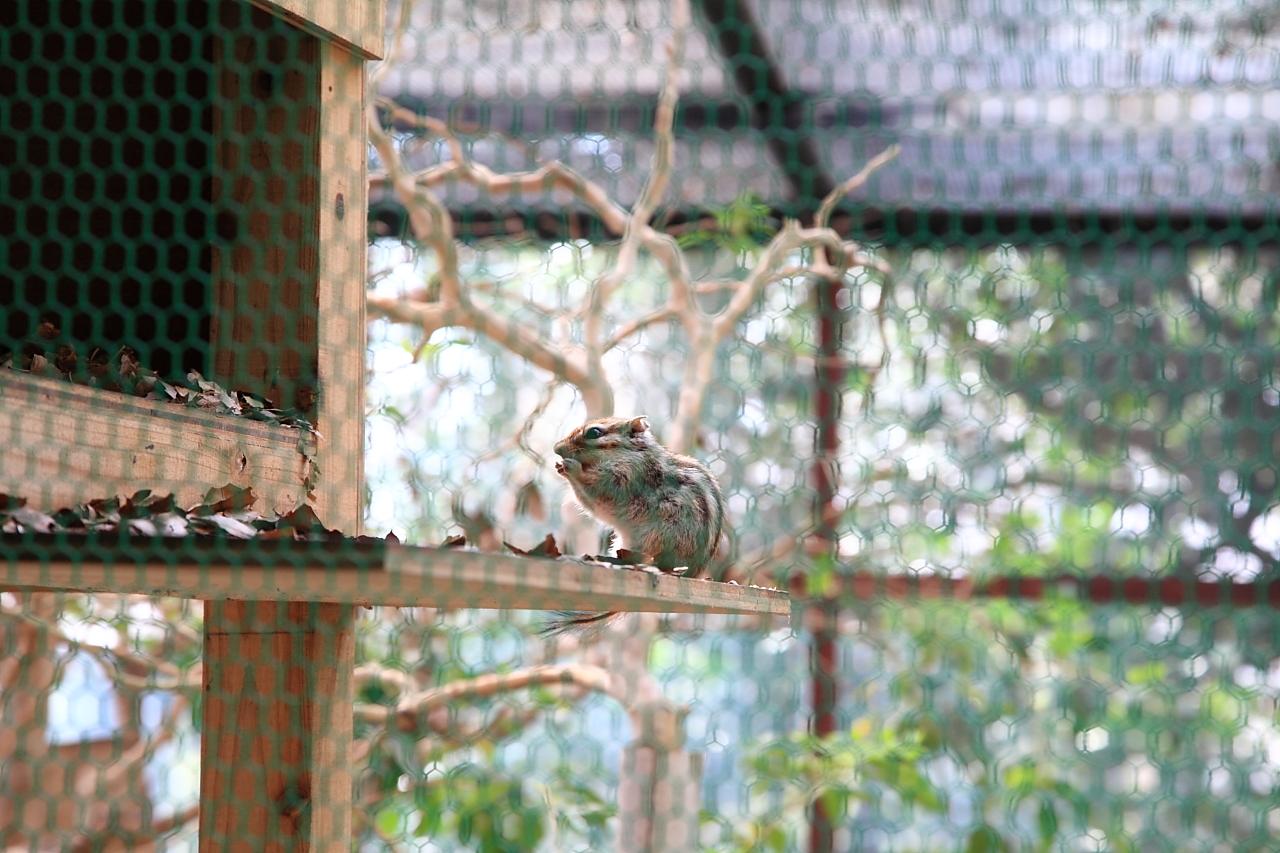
{"x": 820, "y": 580}
{"x": 390, "y": 821}
{"x": 835, "y": 801}
{"x": 1145, "y": 674}
{"x": 1047, "y": 820}
{"x": 984, "y": 839}
{"x": 429, "y": 800}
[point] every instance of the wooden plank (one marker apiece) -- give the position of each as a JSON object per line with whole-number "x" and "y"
{"x": 61, "y": 444}
{"x": 275, "y": 758}
{"x": 349, "y": 574}
{"x": 501, "y": 581}
{"x": 340, "y": 288}
{"x": 356, "y": 25}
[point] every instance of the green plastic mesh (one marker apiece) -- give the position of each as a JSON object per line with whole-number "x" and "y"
{"x": 1001, "y": 418}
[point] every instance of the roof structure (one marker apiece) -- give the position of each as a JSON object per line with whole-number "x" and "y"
{"x": 1063, "y": 108}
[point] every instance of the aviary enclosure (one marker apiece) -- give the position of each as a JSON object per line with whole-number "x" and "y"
{"x": 970, "y": 309}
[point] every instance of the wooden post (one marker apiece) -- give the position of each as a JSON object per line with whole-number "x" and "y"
{"x": 276, "y": 742}
{"x": 340, "y": 288}
{"x": 275, "y": 754}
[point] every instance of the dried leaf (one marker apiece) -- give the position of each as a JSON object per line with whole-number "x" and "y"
{"x": 172, "y": 524}
{"x": 546, "y": 548}
{"x": 141, "y": 527}
{"x": 33, "y": 520}
{"x": 104, "y": 509}
{"x": 623, "y": 558}
{"x": 227, "y": 524}
{"x": 130, "y": 363}
{"x": 144, "y": 386}
{"x": 68, "y": 519}
{"x": 40, "y": 366}
{"x": 65, "y": 359}
{"x": 304, "y": 520}
{"x": 196, "y": 379}
{"x": 99, "y": 362}
{"x": 529, "y": 501}
{"x": 228, "y": 498}
{"x": 145, "y": 504}
{"x": 454, "y": 542}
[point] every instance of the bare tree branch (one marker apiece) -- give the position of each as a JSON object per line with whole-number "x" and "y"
{"x": 651, "y": 194}
{"x": 120, "y": 663}
{"x": 426, "y": 216}
{"x": 823, "y": 216}
{"x": 658, "y": 315}
{"x": 389, "y": 679}
{"x": 178, "y": 819}
{"x": 411, "y": 708}
{"x": 397, "y": 41}
{"x": 432, "y": 226}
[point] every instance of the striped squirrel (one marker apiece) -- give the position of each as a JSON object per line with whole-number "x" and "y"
{"x": 665, "y": 507}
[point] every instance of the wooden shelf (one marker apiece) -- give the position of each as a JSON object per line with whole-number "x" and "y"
{"x": 62, "y": 441}
{"x": 349, "y": 571}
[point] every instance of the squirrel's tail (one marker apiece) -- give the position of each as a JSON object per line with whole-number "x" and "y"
{"x": 569, "y": 621}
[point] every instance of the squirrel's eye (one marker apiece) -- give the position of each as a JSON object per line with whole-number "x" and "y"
{"x": 594, "y": 432}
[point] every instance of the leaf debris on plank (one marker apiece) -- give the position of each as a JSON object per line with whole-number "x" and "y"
{"x": 124, "y": 373}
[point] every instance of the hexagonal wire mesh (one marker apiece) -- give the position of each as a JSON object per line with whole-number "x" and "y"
{"x": 1014, "y": 455}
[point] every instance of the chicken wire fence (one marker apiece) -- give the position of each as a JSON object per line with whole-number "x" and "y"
{"x": 1001, "y": 418}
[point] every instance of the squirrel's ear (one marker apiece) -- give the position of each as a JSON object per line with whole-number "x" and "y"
{"x": 639, "y": 424}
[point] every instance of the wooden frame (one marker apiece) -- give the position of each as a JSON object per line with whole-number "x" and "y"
{"x": 286, "y": 235}
{"x": 286, "y": 273}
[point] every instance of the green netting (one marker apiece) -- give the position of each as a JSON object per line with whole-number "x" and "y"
{"x": 968, "y": 309}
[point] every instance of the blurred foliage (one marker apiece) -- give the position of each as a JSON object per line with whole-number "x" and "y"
{"x": 739, "y": 227}
{"x": 1044, "y": 411}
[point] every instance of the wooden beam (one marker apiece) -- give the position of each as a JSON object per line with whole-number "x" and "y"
{"x": 356, "y": 25}
{"x": 366, "y": 573}
{"x": 62, "y": 443}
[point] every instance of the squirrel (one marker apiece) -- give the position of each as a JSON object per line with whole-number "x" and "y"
{"x": 667, "y": 508}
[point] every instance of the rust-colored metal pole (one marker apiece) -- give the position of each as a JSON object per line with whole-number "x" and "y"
{"x": 823, "y": 613}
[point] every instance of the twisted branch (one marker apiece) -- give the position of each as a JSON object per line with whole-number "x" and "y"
{"x": 412, "y": 709}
